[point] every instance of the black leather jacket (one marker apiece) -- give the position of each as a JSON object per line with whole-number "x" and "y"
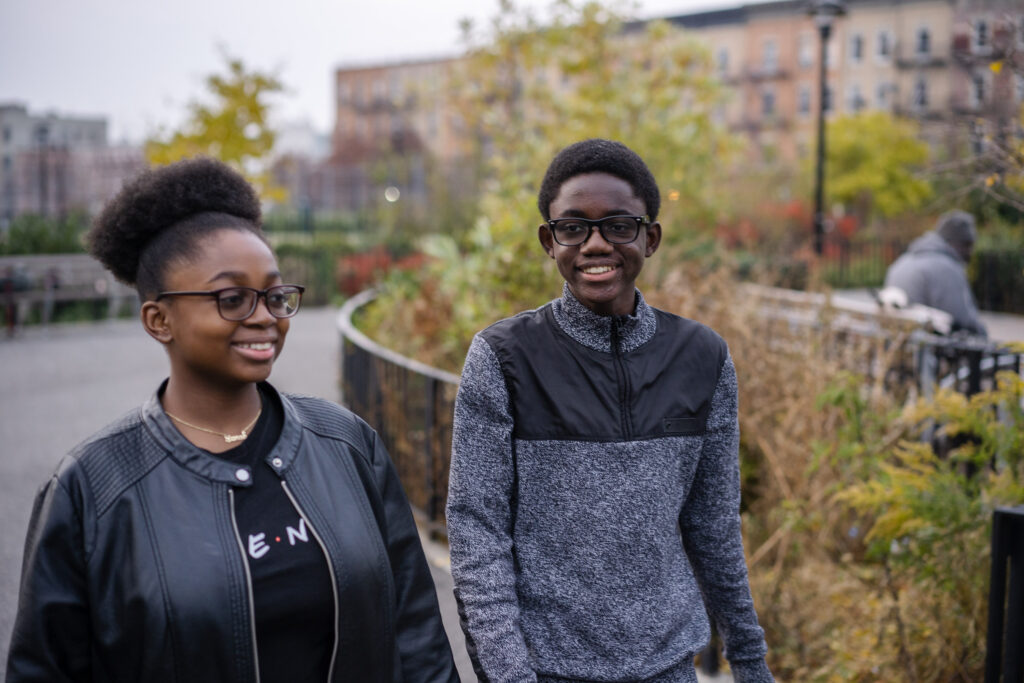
{"x": 134, "y": 570}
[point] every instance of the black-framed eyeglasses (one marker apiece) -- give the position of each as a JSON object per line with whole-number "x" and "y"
{"x": 572, "y": 232}
{"x": 238, "y": 303}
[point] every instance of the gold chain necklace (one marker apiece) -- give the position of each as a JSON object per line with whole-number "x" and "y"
{"x": 230, "y": 438}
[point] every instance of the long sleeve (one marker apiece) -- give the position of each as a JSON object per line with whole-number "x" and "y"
{"x": 51, "y": 637}
{"x": 480, "y": 520}
{"x": 422, "y": 643}
{"x": 956, "y": 298}
{"x": 710, "y": 523}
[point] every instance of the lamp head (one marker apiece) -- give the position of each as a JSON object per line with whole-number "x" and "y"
{"x": 826, "y": 11}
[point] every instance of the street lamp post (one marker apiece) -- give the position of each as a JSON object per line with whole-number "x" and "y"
{"x": 824, "y": 13}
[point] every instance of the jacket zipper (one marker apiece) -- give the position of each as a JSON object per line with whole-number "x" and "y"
{"x": 623, "y": 382}
{"x": 248, "y": 583}
{"x": 330, "y": 568}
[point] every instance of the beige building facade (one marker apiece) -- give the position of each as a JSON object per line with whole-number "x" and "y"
{"x": 954, "y": 65}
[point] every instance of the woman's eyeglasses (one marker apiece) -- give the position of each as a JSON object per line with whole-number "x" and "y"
{"x": 238, "y": 303}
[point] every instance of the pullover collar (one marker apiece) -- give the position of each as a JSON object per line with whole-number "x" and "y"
{"x": 595, "y": 331}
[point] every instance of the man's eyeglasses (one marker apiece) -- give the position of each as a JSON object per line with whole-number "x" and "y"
{"x": 572, "y": 232}
{"x": 238, "y": 303}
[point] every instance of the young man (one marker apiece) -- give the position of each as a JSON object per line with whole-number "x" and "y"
{"x": 594, "y": 490}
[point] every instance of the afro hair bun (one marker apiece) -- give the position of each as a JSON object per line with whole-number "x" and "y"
{"x": 158, "y": 199}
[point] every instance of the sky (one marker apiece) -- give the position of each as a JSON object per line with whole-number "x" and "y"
{"x": 139, "y": 62}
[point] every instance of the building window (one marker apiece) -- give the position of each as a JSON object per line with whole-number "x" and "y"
{"x": 920, "y": 100}
{"x": 722, "y": 62}
{"x": 977, "y": 90}
{"x": 977, "y": 138}
{"x": 856, "y": 100}
{"x": 882, "y": 96}
{"x": 768, "y": 103}
{"x": 1019, "y": 79}
{"x": 924, "y": 41}
{"x": 7, "y": 133}
{"x": 856, "y": 48}
{"x": 884, "y": 45}
{"x": 981, "y": 34}
{"x": 803, "y": 100}
{"x": 770, "y": 56}
{"x": 805, "y": 49}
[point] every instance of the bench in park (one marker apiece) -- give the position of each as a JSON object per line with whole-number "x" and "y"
{"x": 39, "y": 283}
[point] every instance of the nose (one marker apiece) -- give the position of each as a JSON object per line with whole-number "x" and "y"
{"x": 595, "y": 242}
{"x": 261, "y": 314}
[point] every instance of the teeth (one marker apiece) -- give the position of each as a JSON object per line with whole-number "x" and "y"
{"x": 262, "y": 346}
{"x": 597, "y": 270}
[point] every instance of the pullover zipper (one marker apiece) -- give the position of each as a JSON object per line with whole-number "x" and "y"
{"x": 248, "y": 584}
{"x": 330, "y": 569}
{"x": 622, "y": 379}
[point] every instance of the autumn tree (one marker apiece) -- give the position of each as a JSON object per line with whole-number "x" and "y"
{"x": 232, "y": 125}
{"x": 527, "y": 88}
{"x": 876, "y": 165}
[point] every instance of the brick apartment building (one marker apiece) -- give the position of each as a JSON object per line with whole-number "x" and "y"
{"x": 931, "y": 60}
{"x": 51, "y": 165}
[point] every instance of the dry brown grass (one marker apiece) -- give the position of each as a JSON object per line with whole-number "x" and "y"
{"x": 820, "y": 409}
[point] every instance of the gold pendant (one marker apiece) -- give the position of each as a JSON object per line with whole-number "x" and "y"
{"x": 233, "y": 438}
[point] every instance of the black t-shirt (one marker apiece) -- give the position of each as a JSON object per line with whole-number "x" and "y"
{"x": 294, "y": 601}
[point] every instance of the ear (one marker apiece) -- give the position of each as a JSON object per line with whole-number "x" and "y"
{"x": 653, "y": 238}
{"x": 544, "y": 235}
{"x": 154, "y": 319}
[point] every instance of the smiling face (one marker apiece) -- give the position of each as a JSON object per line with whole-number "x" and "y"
{"x": 205, "y": 350}
{"x": 602, "y": 276}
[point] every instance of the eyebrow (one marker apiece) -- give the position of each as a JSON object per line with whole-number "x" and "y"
{"x": 237, "y": 275}
{"x": 576, "y": 213}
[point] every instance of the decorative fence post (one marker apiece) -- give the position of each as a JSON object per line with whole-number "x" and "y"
{"x": 1005, "y": 647}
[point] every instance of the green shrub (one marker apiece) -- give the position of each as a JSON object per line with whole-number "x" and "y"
{"x": 32, "y": 234}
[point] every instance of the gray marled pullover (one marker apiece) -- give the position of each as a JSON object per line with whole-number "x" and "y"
{"x": 594, "y": 498}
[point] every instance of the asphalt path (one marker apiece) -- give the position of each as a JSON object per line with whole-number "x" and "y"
{"x": 61, "y": 383}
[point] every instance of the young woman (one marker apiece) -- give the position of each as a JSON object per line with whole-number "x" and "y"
{"x": 222, "y": 531}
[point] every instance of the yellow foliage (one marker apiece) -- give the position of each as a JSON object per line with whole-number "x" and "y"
{"x": 234, "y": 127}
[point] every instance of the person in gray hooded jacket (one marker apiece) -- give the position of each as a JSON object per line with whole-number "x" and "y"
{"x": 593, "y": 509}
{"x": 932, "y": 271}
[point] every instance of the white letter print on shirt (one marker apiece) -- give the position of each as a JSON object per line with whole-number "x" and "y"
{"x": 301, "y": 534}
{"x": 257, "y": 548}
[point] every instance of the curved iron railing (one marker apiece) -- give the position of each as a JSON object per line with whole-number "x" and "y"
{"x": 409, "y": 403}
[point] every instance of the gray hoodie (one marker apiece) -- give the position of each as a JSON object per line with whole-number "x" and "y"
{"x": 593, "y": 508}
{"x": 933, "y": 274}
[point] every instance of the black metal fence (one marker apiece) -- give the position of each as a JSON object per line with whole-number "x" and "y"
{"x": 409, "y": 404}
{"x": 997, "y": 276}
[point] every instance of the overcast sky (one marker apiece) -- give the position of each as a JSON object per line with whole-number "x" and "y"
{"x": 138, "y": 62}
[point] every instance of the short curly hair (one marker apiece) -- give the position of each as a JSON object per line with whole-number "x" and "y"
{"x": 159, "y": 217}
{"x": 599, "y": 156}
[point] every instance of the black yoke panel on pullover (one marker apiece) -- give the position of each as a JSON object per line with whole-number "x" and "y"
{"x": 560, "y": 389}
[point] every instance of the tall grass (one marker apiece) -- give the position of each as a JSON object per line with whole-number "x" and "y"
{"x": 868, "y": 554}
